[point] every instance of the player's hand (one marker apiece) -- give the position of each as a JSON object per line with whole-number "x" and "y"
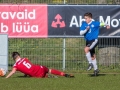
{"x": 108, "y": 27}
{"x": 87, "y": 28}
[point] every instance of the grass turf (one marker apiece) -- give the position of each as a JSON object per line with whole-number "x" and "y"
{"x": 80, "y": 82}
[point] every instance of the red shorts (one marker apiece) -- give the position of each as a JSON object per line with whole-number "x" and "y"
{"x": 43, "y": 71}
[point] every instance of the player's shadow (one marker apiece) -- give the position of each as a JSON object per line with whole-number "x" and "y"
{"x": 22, "y": 77}
{"x": 99, "y": 75}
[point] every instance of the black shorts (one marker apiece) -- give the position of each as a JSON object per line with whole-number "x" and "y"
{"x": 92, "y": 44}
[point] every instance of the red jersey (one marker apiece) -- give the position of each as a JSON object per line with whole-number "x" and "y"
{"x": 25, "y": 66}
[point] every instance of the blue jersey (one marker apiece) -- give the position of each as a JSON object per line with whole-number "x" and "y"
{"x": 93, "y": 32}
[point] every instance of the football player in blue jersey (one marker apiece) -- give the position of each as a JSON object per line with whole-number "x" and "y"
{"x": 90, "y": 30}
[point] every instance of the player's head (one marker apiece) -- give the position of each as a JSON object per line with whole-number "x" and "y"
{"x": 15, "y": 55}
{"x": 88, "y": 17}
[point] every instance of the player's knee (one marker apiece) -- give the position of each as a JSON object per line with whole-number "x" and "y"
{"x": 93, "y": 57}
{"x": 86, "y": 49}
{"x": 49, "y": 70}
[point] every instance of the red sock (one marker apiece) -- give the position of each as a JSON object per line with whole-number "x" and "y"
{"x": 57, "y": 72}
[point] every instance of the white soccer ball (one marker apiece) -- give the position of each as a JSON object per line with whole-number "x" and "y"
{"x": 2, "y": 72}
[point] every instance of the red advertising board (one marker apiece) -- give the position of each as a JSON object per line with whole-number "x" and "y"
{"x": 24, "y": 21}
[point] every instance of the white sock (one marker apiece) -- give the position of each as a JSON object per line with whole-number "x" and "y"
{"x": 94, "y": 62}
{"x": 88, "y": 55}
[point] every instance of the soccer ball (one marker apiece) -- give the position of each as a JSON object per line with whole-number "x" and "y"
{"x": 2, "y": 72}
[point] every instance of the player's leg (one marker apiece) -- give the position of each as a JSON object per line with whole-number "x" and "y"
{"x": 56, "y": 72}
{"x": 60, "y": 73}
{"x": 45, "y": 71}
{"x": 89, "y": 46}
{"x": 88, "y": 55}
{"x": 94, "y": 61}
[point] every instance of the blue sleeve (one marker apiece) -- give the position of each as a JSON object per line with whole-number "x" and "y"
{"x": 97, "y": 24}
{"x": 82, "y": 26}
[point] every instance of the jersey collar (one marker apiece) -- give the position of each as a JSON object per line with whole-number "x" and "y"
{"x": 18, "y": 60}
{"x": 90, "y": 22}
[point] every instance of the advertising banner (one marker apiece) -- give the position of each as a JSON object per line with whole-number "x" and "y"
{"x": 24, "y": 21}
{"x": 38, "y": 21}
{"x": 68, "y": 19}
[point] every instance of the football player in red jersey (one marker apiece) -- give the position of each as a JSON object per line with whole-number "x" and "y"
{"x": 25, "y": 66}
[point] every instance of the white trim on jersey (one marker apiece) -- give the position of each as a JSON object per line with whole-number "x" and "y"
{"x": 90, "y": 22}
{"x": 82, "y": 32}
{"x": 93, "y": 44}
{"x": 18, "y": 61}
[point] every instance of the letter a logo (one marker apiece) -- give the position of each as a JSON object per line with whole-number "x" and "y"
{"x": 58, "y": 22}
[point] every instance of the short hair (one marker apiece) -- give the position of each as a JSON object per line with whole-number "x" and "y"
{"x": 88, "y": 14}
{"x": 15, "y": 55}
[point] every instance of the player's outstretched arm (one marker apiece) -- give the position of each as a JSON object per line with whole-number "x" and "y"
{"x": 11, "y": 73}
{"x": 104, "y": 25}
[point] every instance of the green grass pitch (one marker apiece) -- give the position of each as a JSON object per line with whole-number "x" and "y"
{"x": 80, "y": 82}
